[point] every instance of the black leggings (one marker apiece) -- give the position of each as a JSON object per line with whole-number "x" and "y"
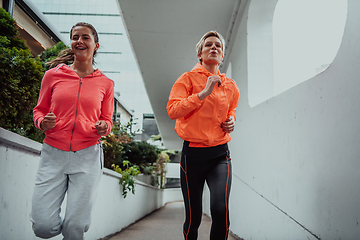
{"x": 212, "y": 165}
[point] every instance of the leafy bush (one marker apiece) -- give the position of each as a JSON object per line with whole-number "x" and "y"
{"x": 129, "y": 157}
{"x": 140, "y": 153}
{"x": 20, "y": 80}
{"x": 51, "y": 53}
{"x": 113, "y": 148}
{"x": 119, "y": 146}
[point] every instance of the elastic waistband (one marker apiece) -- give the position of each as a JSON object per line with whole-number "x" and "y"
{"x": 205, "y": 151}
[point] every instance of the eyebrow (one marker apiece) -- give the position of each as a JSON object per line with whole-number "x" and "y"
{"x": 81, "y": 35}
{"x": 208, "y": 41}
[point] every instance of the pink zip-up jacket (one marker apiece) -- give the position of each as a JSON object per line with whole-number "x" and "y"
{"x": 78, "y": 103}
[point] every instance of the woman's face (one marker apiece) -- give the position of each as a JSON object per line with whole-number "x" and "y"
{"x": 83, "y": 43}
{"x": 212, "y": 51}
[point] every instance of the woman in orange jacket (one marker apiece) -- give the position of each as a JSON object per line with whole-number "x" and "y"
{"x": 75, "y": 109}
{"x": 203, "y": 102}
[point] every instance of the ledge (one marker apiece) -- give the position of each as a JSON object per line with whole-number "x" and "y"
{"x": 114, "y": 174}
{"x": 15, "y": 140}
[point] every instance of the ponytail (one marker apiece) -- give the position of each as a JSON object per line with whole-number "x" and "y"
{"x": 65, "y": 56}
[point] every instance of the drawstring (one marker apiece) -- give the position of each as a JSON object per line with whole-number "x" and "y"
{"x": 101, "y": 152}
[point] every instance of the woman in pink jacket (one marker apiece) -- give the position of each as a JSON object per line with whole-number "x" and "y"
{"x": 74, "y": 109}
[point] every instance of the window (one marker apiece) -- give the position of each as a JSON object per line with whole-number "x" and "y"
{"x": 290, "y": 41}
{"x": 306, "y": 35}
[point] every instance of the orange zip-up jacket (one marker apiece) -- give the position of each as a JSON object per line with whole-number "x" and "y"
{"x": 199, "y": 122}
{"x": 78, "y": 103}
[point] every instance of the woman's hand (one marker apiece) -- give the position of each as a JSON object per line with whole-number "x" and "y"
{"x": 101, "y": 127}
{"x": 229, "y": 125}
{"x": 48, "y": 122}
{"x": 210, "y": 84}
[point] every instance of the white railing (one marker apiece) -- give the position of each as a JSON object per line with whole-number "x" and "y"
{"x": 19, "y": 158}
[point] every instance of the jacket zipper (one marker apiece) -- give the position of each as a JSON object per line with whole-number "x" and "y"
{"x": 77, "y": 105}
{"x": 215, "y": 117}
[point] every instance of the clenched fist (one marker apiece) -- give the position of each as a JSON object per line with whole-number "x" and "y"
{"x": 48, "y": 122}
{"x": 229, "y": 125}
{"x": 210, "y": 84}
{"x": 101, "y": 127}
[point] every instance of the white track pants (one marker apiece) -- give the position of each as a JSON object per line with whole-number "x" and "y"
{"x": 75, "y": 173}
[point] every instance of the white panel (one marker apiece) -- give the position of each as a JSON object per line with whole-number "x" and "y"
{"x": 300, "y": 151}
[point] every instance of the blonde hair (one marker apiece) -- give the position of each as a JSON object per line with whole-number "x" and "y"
{"x": 67, "y": 56}
{"x": 212, "y": 33}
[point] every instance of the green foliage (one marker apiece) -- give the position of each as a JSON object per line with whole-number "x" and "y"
{"x": 156, "y": 137}
{"x": 9, "y": 32}
{"x": 127, "y": 176}
{"x": 119, "y": 146}
{"x": 51, "y": 53}
{"x": 160, "y": 173}
{"x": 113, "y": 148}
{"x": 126, "y": 156}
{"x": 20, "y": 80}
{"x": 142, "y": 153}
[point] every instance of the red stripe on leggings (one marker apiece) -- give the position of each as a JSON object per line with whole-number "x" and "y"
{"x": 187, "y": 187}
{"x": 226, "y": 196}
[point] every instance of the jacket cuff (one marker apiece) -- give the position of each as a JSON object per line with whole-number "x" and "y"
{"x": 38, "y": 121}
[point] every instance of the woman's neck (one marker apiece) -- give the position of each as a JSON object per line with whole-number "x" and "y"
{"x": 213, "y": 68}
{"x": 82, "y": 68}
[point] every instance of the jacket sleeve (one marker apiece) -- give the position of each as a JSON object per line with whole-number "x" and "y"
{"x": 107, "y": 108}
{"x": 181, "y": 100}
{"x": 43, "y": 105}
{"x": 234, "y": 102}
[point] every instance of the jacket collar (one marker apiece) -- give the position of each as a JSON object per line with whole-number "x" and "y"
{"x": 65, "y": 68}
{"x": 199, "y": 68}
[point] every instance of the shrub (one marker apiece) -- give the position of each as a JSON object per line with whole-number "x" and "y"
{"x": 129, "y": 157}
{"x": 51, "y": 53}
{"x": 20, "y": 80}
{"x": 140, "y": 153}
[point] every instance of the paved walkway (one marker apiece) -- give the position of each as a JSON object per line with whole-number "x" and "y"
{"x": 163, "y": 224}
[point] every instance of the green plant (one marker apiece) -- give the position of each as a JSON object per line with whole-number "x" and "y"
{"x": 127, "y": 176}
{"x": 113, "y": 156}
{"x": 129, "y": 157}
{"x": 20, "y": 80}
{"x": 113, "y": 150}
{"x": 141, "y": 153}
{"x": 51, "y": 53}
{"x": 160, "y": 165}
{"x": 156, "y": 137}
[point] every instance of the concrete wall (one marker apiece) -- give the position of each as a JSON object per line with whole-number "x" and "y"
{"x": 296, "y": 156}
{"x": 19, "y": 159}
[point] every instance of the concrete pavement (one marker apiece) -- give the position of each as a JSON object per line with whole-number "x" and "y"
{"x": 163, "y": 224}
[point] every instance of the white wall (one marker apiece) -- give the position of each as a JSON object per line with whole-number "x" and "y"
{"x": 19, "y": 159}
{"x": 296, "y": 156}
